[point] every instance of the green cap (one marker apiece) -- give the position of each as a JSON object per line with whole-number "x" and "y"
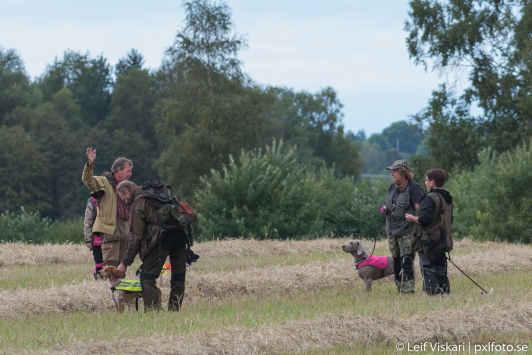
{"x": 399, "y": 164}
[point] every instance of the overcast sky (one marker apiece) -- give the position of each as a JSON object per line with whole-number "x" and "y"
{"x": 355, "y": 46}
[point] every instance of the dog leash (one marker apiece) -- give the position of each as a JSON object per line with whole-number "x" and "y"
{"x": 374, "y": 244}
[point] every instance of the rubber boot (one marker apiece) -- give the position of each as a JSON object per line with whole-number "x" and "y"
{"x": 397, "y": 272}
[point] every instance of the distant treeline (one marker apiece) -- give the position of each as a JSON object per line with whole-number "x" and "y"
{"x": 183, "y": 120}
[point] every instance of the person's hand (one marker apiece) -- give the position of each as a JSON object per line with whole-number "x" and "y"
{"x": 382, "y": 210}
{"x": 122, "y": 268}
{"x": 91, "y": 155}
{"x": 411, "y": 218}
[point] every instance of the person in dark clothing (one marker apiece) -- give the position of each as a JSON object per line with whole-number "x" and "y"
{"x": 404, "y": 196}
{"x": 153, "y": 244}
{"x": 435, "y": 218}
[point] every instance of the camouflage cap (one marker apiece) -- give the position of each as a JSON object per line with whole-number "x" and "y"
{"x": 399, "y": 164}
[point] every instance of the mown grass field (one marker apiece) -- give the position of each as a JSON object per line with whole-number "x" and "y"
{"x": 261, "y": 297}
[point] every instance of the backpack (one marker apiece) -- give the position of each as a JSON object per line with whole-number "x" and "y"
{"x": 172, "y": 214}
{"x": 446, "y": 219}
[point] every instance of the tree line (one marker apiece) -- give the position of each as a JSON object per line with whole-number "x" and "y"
{"x": 182, "y": 120}
{"x": 176, "y": 122}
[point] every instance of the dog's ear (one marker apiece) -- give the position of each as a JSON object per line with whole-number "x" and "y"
{"x": 361, "y": 251}
{"x": 356, "y": 246}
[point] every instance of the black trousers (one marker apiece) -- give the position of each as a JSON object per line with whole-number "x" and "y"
{"x": 98, "y": 257}
{"x": 152, "y": 264}
{"x": 434, "y": 271}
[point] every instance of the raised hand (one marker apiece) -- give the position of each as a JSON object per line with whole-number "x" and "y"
{"x": 91, "y": 154}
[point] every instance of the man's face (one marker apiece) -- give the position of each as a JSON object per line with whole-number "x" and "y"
{"x": 125, "y": 195}
{"x": 124, "y": 174}
{"x": 398, "y": 178}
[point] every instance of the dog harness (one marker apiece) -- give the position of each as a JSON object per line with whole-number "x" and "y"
{"x": 379, "y": 262}
{"x": 129, "y": 286}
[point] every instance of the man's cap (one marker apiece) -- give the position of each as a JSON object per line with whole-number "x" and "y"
{"x": 399, "y": 164}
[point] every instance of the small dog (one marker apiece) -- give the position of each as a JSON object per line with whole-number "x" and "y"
{"x": 122, "y": 295}
{"x": 368, "y": 268}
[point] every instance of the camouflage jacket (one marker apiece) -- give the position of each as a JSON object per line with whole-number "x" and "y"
{"x": 144, "y": 232}
{"x": 88, "y": 221}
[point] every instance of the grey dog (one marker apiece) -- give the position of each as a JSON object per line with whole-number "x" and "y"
{"x": 367, "y": 273}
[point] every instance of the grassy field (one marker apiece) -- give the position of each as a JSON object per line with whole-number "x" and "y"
{"x": 262, "y": 297}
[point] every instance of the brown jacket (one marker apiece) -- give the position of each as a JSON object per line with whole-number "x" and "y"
{"x": 107, "y": 209}
{"x": 145, "y": 232}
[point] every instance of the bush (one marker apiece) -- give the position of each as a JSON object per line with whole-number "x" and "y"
{"x": 66, "y": 231}
{"x": 269, "y": 194}
{"x": 493, "y": 201}
{"x": 30, "y": 227}
{"x": 352, "y": 206}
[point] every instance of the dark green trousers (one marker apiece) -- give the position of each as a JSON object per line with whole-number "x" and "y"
{"x": 151, "y": 269}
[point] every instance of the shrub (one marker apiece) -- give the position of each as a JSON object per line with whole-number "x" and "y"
{"x": 30, "y": 227}
{"x": 352, "y": 206}
{"x": 270, "y": 194}
{"x": 493, "y": 200}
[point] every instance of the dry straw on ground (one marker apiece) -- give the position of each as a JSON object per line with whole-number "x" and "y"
{"x": 34, "y": 254}
{"x": 29, "y": 254}
{"x": 323, "y": 333}
{"x": 91, "y": 295}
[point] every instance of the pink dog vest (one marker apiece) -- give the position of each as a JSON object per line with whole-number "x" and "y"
{"x": 380, "y": 262}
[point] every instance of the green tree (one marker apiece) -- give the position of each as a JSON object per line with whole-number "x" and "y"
{"x": 454, "y": 137}
{"x": 491, "y": 40}
{"x": 14, "y": 83}
{"x": 133, "y": 60}
{"x": 89, "y": 80}
{"x": 207, "y": 39}
{"x": 55, "y": 126}
{"x": 313, "y": 123}
{"x": 207, "y": 109}
{"x": 402, "y": 136}
{"x": 322, "y": 116}
{"x": 133, "y": 102}
{"x": 23, "y": 171}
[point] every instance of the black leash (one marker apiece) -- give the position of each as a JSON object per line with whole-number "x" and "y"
{"x": 466, "y": 275}
{"x": 374, "y": 243}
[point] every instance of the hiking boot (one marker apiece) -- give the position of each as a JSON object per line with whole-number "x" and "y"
{"x": 407, "y": 286}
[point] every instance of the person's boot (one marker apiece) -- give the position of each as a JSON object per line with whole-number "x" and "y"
{"x": 408, "y": 283}
{"x": 177, "y": 292}
{"x": 151, "y": 295}
{"x": 397, "y": 272}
